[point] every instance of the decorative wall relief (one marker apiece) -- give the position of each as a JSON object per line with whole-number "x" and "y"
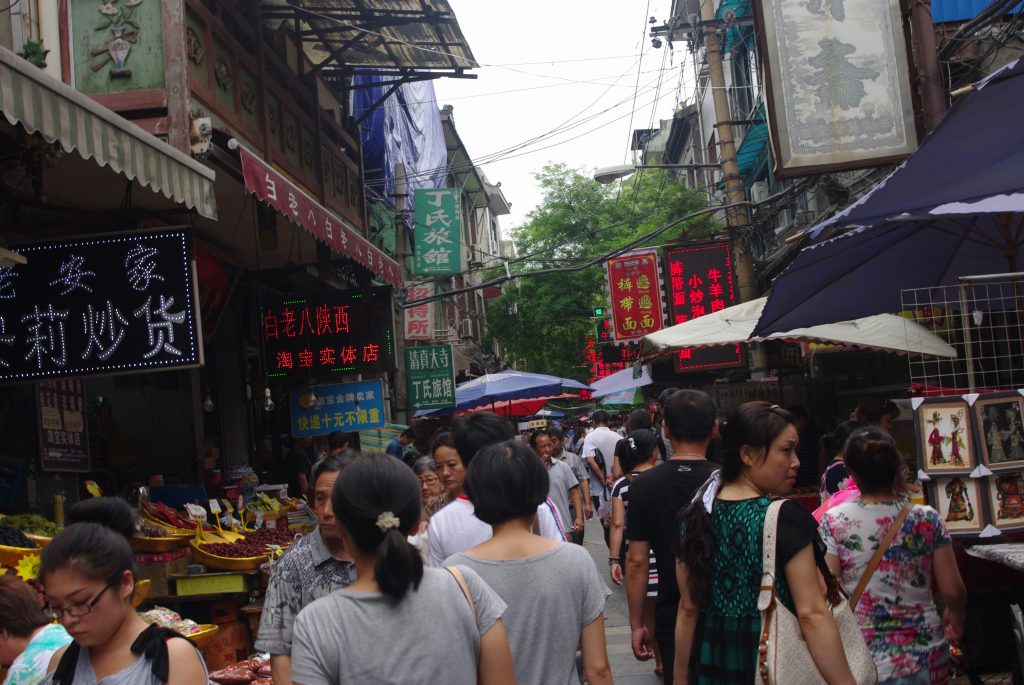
{"x": 196, "y": 51}
{"x": 124, "y": 33}
{"x": 222, "y": 72}
{"x": 248, "y": 91}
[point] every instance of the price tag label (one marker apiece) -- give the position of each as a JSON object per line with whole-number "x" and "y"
{"x": 195, "y": 512}
{"x": 227, "y": 506}
{"x": 271, "y": 523}
{"x": 259, "y": 519}
{"x": 93, "y": 488}
{"x": 214, "y": 506}
{"x": 241, "y": 504}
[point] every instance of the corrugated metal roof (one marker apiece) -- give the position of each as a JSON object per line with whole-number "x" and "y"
{"x": 944, "y": 11}
{"x": 387, "y": 34}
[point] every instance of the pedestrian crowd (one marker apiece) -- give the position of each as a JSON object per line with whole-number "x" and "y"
{"x": 466, "y": 565}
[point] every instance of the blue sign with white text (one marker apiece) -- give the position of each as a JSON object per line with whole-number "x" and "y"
{"x": 343, "y": 407}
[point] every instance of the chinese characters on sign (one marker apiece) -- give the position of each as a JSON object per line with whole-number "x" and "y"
{"x": 419, "y": 320}
{"x": 437, "y": 232}
{"x": 636, "y": 295}
{"x": 700, "y": 282}
{"x": 63, "y": 442}
{"x": 431, "y": 374}
{"x": 344, "y": 407}
{"x": 284, "y": 196}
{"x": 353, "y": 332}
{"x": 99, "y": 306}
{"x": 594, "y": 361}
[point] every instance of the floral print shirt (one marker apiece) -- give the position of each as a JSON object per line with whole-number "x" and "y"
{"x": 896, "y": 613}
{"x": 30, "y": 666}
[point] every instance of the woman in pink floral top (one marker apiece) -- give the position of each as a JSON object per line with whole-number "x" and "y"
{"x": 903, "y": 629}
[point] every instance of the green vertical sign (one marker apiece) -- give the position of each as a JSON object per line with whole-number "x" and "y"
{"x": 431, "y": 374}
{"x": 438, "y": 224}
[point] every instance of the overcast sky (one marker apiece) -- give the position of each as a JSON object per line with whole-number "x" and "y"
{"x": 566, "y": 81}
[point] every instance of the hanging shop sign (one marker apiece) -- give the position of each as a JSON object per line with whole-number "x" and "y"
{"x": 700, "y": 282}
{"x": 104, "y": 305}
{"x": 63, "y": 441}
{"x": 594, "y": 361}
{"x": 431, "y": 373}
{"x": 347, "y": 332}
{"x": 437, "y": 232}
{"x": 294, "y": 204}
{"x": 344, "y": 407}
{"x": 419, "y": 320}
{"x": 838, "y": 84}
{"x": 635, "y": 289}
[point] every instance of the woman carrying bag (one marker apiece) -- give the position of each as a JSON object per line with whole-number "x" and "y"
{"x": 895, "y": 548}
{"x": 721, "y": 555}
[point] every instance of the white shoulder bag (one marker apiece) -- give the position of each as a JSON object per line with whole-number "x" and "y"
{"x": 783, "y": 656}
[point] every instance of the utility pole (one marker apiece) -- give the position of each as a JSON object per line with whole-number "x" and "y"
{"x": 399, "y": 387}
{"x": 736, "y": 218}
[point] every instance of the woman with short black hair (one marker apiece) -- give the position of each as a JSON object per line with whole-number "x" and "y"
{"x": 89, "y": 574}
{"x": 555, "y": 597}
{"x": 904, "y": 631}
{"x": 445, "y": 623}
{"x": 28, "y": 638}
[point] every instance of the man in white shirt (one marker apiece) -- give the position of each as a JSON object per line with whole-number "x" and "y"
{"x": 599, "y": 454}
{"x": 454, "y": 528}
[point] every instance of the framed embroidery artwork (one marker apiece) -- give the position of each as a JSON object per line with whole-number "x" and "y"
{"x": 999, "y": 420}
{"x": 945, "y": 440}
{"x": 959, "y": 501}
{"x": 1005, "y": 493}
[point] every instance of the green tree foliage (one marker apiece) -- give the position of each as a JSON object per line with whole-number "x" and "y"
{"x": 542, "y": 321}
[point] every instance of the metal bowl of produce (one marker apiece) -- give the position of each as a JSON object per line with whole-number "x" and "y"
{"x": 151, "y": 545}
{"x": 204, "y": 637}
{"x": 14, "y": 547}
{"x": 216, "y": 555}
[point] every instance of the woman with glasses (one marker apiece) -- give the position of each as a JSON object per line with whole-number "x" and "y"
{"x": 27, "y": 637}
{"x": 431, "y": 491}
{"x": 89, "y": 575}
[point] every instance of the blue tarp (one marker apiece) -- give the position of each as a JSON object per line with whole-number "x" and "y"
{"x": 944, "y": 11}
{"x": 406, "y": 129}
{"x": 953, "y": 208}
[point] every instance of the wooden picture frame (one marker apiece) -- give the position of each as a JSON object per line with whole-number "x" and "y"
{"x": 999, "y": 425}
{"x": 1005, "y": 494}
{"x": 960, "y": 502}
{"x": 945, "y": 436}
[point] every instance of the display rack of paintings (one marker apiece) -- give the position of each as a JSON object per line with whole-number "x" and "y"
{"x": 999, "y": 421}
{"x": 945, "y": 441}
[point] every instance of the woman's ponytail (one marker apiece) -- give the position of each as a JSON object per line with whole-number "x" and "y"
{"x": 399, "y": 565}
{"x": 377, "y": 499}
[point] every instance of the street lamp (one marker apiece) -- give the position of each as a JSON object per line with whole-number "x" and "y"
{"x": 607, "y": 174}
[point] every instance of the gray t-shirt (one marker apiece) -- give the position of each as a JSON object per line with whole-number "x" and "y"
{"x": 562, "y": 481}
{"x": 551, "y": 598}
{"x": 430, "y": 636}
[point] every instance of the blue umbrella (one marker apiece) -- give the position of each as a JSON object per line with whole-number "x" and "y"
{"x": 953, "y": 208}
{"x": 507, "y": 385}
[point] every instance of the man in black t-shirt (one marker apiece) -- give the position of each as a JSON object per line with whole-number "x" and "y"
{"x": 655, "y": 498}
{"x": 297, "y": 465}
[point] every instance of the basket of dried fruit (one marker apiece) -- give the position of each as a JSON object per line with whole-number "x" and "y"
{"x": 229, "y": 556}
{"x": 15, "y": 546}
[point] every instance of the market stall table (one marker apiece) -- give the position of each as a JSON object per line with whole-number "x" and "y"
{"x": 1008, "y": 554}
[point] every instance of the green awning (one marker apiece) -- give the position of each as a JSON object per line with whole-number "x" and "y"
{"x": 753, "y": 151}
{"x": 60, "y": 114}
{"x": 733, "y": 9}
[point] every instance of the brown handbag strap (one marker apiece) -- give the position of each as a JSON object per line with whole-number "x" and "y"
{"x": 890, "y": 535}
{"x": 457, "y": 575}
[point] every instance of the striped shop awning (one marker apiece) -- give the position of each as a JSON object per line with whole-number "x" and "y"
{"x": 60, "y": 114}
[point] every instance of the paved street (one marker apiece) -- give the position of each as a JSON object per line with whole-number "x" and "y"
{"x": 625, "y": 668}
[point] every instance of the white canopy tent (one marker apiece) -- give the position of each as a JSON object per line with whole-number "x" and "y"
{"x": 620, "y": 381}
{"x": 885, "y": 332}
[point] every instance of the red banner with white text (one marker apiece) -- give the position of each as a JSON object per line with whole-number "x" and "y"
{"x": 294, "y": 204}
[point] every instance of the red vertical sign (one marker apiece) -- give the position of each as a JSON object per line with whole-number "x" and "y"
{"x": 700, "y": 282}
{"x": 635, "y": 294}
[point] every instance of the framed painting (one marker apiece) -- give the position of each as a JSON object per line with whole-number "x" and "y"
{"x": 960, "y": 502}
{"x": 1005, "y": 493}
{"x": 999, "y": 420}
{"x": 945, "y": 441}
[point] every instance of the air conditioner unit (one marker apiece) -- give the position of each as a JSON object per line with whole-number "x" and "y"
{"x": 758, "y": 191}
{"x": 467, "y": 327}
{"x": 444, "y": 334}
